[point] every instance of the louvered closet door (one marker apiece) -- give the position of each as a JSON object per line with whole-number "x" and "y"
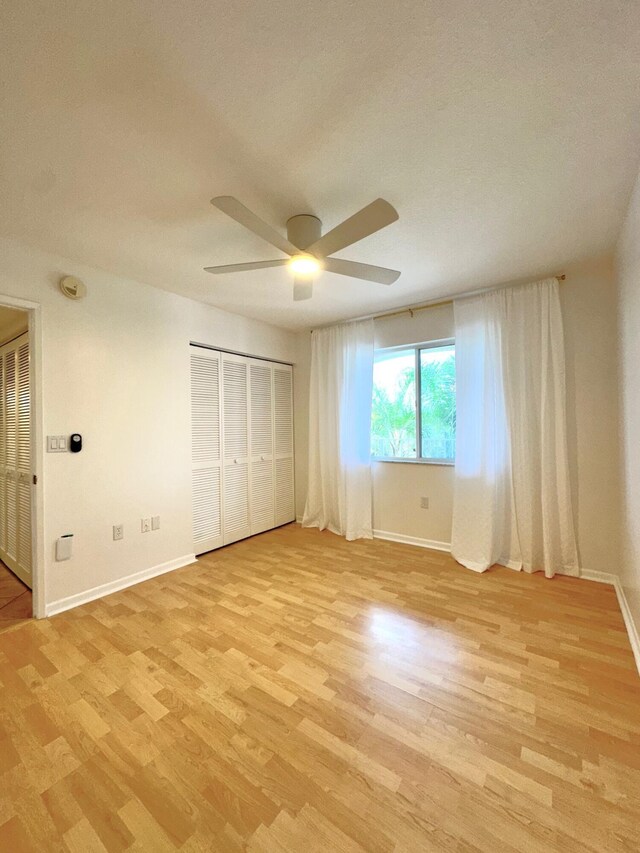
{"x": 261, "y": 471}
{"x": 235, "y": 384}
{"x": 24, "y": 476}
{"x": 206, "y": 450}
{"x": 10, "y": 503}
{"x": 283, "y": 441}
{"x": 15, "y": 499}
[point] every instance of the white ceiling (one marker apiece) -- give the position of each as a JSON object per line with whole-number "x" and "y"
{"x": 505, "y": 132}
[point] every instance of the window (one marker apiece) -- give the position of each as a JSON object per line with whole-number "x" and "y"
{"x": 413, "y": 414}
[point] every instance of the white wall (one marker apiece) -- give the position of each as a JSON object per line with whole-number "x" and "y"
{"x": 628, "y": 268}
{"x": 589, "y": 305}
{"x": 116, "y": 369}
{"x": 589, "y": 308}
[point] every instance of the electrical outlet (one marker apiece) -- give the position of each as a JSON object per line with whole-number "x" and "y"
{"x": 424, "y": 503}
{"x": 155, "y": 522}
{"x": 145, "y": 525}
{"x": 118, "y": 532}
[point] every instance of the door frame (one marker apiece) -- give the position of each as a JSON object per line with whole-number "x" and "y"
{"x": 34, "y": 312}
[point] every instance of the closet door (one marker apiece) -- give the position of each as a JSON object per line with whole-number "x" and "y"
{"x": 261, "y": 467}
{"x": 23, "y": 473}
{"x": 206, "y": 445}
{"x": 235, "y": 385}
{"x": 283, "y": 436}
{"x": 15, "y": 499}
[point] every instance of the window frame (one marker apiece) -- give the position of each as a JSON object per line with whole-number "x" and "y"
{"x": 417, "y": 459}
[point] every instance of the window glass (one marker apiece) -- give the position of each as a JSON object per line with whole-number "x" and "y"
{"x": 438, "y": 402}
{"x": 405, "y": 403}
{"x": 393, "y": 412}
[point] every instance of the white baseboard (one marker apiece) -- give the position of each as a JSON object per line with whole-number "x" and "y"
{"x": 598, "y": 577}
{"x": 433, "y": 544}
{"x": 79, "y": 598}
{"x": 406, "y": 540}
{"x": 632, "y": 628}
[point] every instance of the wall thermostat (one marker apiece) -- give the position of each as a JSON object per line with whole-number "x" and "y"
{"x": 75, "y": 442}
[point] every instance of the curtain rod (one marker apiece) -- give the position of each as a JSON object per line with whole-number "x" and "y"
{"x": 411, "y": 310}
{"x": 434, "y": 304}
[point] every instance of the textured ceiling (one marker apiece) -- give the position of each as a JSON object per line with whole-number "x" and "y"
{"x": 506, "y": 133}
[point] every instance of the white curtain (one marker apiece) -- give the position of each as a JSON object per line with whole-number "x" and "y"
{"x": 512, "y": 499}
{"x": 341, "y": 385}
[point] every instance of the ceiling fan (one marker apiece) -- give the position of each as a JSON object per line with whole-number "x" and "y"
{"x": 309, "y": 250}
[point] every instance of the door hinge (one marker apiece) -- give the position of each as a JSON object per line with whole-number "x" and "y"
{"x": 35, "y": 479}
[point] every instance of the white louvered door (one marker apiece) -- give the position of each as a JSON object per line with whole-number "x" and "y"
{"x": 283, "y": 443}
{"x": 242, "y": 440}
{"x": 206, "y": 450}
{"x": 261, "y": 467}
{"x": 24, "y": 475}
{"x": 235, "y": 391}
{"x": 15, "y": 459}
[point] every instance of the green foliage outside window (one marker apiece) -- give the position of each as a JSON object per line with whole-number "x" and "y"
{"x": 394, "y": 413}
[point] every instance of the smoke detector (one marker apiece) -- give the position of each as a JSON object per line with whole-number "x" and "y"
{"x": 72, "y": 287}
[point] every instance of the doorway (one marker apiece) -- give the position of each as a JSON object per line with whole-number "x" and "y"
{"x": 16, "y": 467}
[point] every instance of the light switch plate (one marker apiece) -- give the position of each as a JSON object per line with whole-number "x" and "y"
{"x": 155, "y": 522}
{"x": 145, "y": 525}
{"x": 57, "y": 444}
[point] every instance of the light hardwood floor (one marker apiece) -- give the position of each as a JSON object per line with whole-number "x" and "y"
{"x": 295, "y": 692}
{"x": 15, "y": 599}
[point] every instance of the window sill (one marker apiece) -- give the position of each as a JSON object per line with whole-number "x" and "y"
{"x": 447, "y": 463}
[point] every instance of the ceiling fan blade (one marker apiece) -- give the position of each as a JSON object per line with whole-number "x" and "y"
{"x": 302, "y": 288}
{"x": 233, "y": 208}
{"x": 367, "y": 221}
{"x": 255, "y": 265}
{"x": 381, "y": 275}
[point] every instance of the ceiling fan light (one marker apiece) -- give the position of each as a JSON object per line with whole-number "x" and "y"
{"x": 304, "y": 265}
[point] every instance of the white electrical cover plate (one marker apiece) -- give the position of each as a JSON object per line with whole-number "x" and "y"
{"x": 57, "y": 444}
{"x": 64, "y": 547}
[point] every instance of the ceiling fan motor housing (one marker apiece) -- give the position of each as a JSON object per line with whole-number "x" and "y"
{"x": 304, "y": 230}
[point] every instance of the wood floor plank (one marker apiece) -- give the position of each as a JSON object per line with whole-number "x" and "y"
{"x": 296, "y": 692}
